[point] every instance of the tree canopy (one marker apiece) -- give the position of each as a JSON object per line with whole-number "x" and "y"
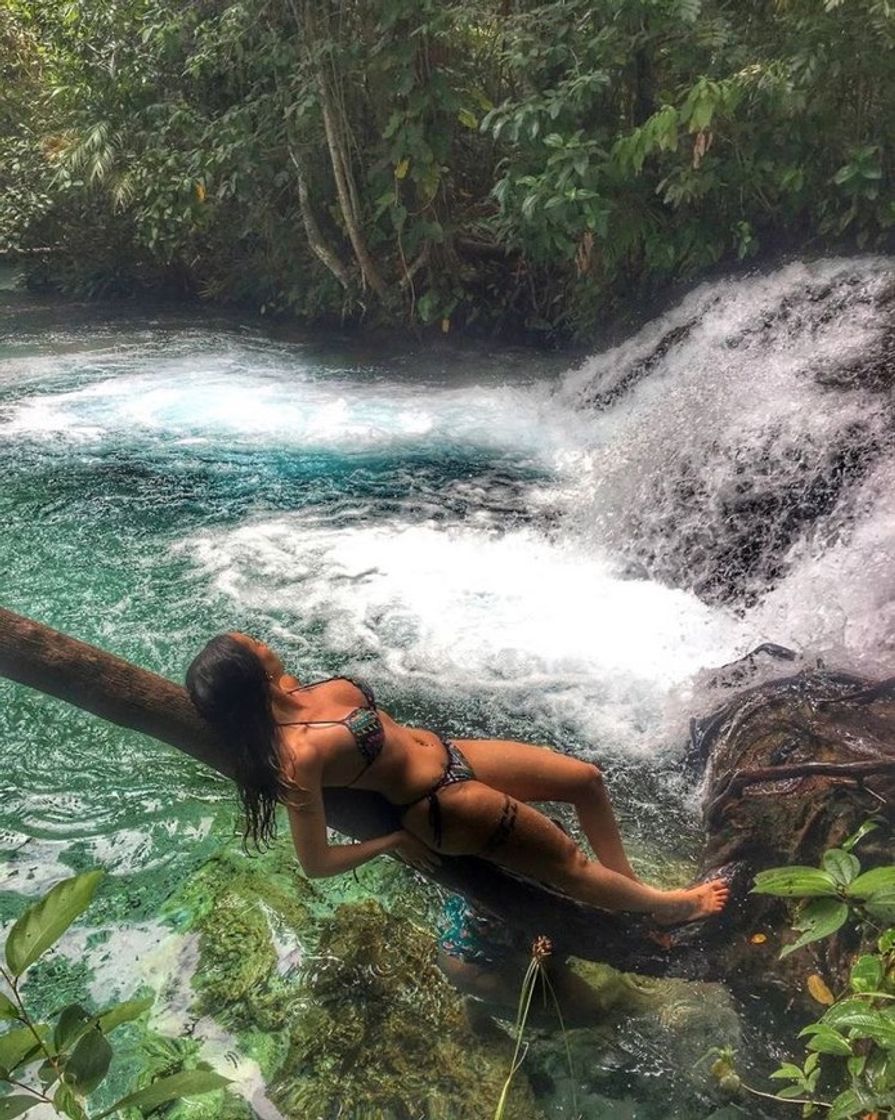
{"x": 512, "y": 164}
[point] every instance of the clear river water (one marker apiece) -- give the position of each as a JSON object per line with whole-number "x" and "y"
{"x": 502, "y": 545}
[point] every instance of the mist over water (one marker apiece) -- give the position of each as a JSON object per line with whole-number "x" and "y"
{"x": 502, "y": 549}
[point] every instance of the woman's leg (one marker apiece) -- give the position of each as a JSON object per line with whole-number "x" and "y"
{"x": 478, "y": 820}
{"x": 530, "y": 773}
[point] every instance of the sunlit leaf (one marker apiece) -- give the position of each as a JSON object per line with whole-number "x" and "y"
{"x": 880, "y": 878}
{"x": 191, "y": 1083}
{"x": 841, "y": 865}
{"x": 44, "y": 922}
{"x": 787, "y": 1072}
{"x": 857, "y": 836}
{"x": 18, "y": 1045}
{"x": 826, "y": 1040}
{"x": 123, "y": 1013}
{"x": 795, "y": 882}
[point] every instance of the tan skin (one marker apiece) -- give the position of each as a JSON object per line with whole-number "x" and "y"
{"x": 412, "y": 761}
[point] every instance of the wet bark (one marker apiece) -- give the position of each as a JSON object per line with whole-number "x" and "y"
{"x": 790, "y": 769}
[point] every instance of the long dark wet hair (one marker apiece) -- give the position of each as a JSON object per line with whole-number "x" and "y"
{"x": 231, "y": 690}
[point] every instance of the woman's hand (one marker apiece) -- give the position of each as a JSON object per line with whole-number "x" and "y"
{"x": 414, "y": 852}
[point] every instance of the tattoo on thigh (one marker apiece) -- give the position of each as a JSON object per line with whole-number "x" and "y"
{"x": 504, "y": 827}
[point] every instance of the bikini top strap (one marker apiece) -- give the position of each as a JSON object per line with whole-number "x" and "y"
{"x": 362, "y": 687}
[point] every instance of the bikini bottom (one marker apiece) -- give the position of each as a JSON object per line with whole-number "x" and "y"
{"x": 457, "y": 770}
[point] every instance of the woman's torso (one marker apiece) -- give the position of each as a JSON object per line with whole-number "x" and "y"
{"x": 371, "y": 751}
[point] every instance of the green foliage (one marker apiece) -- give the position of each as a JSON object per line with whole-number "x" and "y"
{"x": 850, "y": 1066}
{"x": 407, "y": 160}
{"x": 65, "y": 1063}
{"x": 44, "y": 923}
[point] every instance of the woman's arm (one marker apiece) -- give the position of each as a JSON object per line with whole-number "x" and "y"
{"x": 320, "y": 859}
{"x": 307, "y": 821}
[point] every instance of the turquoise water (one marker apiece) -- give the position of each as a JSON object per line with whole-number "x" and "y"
{"x": 465, "y": 527}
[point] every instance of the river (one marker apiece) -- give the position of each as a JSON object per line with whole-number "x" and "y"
{"x": 503, "y": 546}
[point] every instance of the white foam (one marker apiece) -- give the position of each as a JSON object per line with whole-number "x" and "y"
{"x": 303, "y": 412}
{"x": 838, "y": 601}
{"x": 468, "y": 611}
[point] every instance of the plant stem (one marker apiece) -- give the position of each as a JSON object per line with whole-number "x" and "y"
{"x": 27, "y": 1088}
{"x": 783, "y": 1100}
{"x": 13, "y": 983}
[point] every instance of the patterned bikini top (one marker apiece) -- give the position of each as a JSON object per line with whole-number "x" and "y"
{"x": 363, "y": 722}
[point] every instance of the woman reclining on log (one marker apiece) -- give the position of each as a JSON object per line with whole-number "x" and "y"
{"x": 287, "y": 741}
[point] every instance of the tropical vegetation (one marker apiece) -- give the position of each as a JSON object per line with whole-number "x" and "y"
{"x": 65, "y": 1062}
{"x": 505, "y": 163}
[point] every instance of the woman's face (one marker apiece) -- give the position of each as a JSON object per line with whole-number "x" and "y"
{"x": 273, "y": 666}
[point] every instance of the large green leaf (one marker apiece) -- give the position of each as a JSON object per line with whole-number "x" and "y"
{"x": 843, "y": 1010}
{"x": 843, "y": 866}
{"x": 113, "y": 1017}
{"x": 820, "y": 918}
{"x": 44, "y": 922}
{"x": 190, "y": 1083}
{"x": 880, "y": 878}
{"x": 89, "y": 1061}
{"x": 866, "y": 973}
{"x": 71, "y": 1024}
{"x": 857, "y": 1017}
{"x": 881, "y": 904}
{"x": 7, "y": 1008}
{"x": 16, "y": 1046}
{"x": 846, "y": 1104}
{"x": 826, "y": 1040}
{"x": 16, "y": 1105}
{"x": 795, "y": 882}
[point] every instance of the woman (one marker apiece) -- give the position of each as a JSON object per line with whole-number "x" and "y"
{"x": 288, "y": 741}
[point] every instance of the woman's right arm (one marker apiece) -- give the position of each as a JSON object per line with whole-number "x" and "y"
{"x": 320, "y": 859}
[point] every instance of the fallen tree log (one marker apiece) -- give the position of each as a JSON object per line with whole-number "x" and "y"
{"x": 124, "y": 694}
{"x": 789, "y": 768}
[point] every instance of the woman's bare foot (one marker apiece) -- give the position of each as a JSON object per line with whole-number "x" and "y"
{"x": 692, "y": 904}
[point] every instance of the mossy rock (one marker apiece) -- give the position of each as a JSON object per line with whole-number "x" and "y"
{"x": 241, "y": 908}
{"x": 360, "y": 1023}
{"x": 382, "y": 1034}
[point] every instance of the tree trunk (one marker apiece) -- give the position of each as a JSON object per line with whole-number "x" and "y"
{"x": 340, "y": 160}
{"x": 319, "y": 245}
{"x": 118, "y": 691}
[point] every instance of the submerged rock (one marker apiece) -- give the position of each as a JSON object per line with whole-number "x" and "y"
{"x": 381, "y": 1032}
{"x": 341, "y": 1012}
